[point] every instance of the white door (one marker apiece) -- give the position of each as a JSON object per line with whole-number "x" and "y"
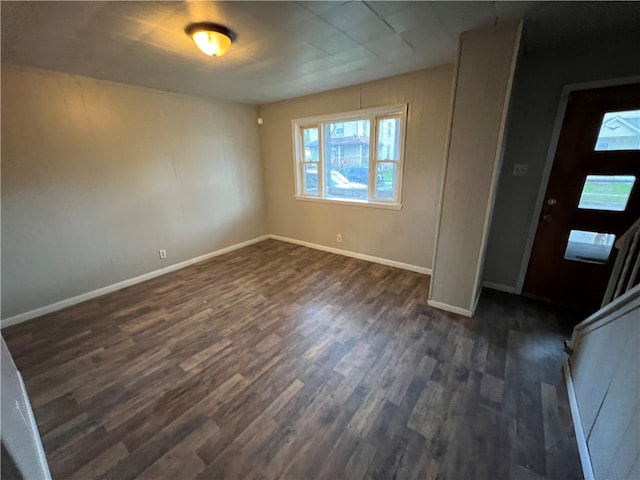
{"x": 20, "y": 435}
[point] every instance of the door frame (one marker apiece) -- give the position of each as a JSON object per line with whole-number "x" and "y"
{"x": 548, "y": 163}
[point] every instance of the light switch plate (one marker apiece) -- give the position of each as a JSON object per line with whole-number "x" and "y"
{"x": 519, "y": 170}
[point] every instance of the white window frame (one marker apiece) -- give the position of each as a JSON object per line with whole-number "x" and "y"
{"x": 371, "y": 114}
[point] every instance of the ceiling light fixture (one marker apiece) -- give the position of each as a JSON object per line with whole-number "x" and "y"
{"x": 211, "y": 38}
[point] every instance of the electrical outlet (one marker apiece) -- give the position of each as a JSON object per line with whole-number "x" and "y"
{"x": 339, "y": 237}
{"x": 163, "y": 253}
{"x": 519, "y": 170}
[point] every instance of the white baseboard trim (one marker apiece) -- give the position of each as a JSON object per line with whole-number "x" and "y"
{"x": 581, "y": 440}
{"x": 499, "y": 286}
{"x": 450, "y": 308}
{"x": 359, "y": 256}
{"x": 54, "y": 307}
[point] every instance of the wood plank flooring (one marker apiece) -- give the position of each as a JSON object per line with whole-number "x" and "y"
{"x": 281, "y": 361}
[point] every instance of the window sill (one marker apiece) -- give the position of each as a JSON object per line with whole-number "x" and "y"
{"x": 351, "y": 203}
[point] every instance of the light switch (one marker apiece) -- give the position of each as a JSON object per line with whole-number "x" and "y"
{"x": 519, "y": 170}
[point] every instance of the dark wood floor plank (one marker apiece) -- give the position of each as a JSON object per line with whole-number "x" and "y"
{"x": 358, "y": 464}
{"x": 278, "y": 361}
{"x": 103, "y": 462}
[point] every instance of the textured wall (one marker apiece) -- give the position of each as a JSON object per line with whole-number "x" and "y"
{"x": 404, "y": 236}
{"x": 485, "y": 71}
{"x": 605, "y": 369}
{"x": 97, "y": 177}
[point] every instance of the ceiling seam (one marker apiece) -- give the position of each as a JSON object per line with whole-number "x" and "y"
{"x": 383, "y": 20}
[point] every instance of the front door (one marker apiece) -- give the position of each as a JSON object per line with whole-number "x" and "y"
{"x": 592, "y": 198}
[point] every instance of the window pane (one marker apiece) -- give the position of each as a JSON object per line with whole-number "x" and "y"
{"x": 336, "y": 156}
{"x": 356, "y": 174}
{"x": 346, "y": 159}
{"x": 346, "y": 144}
{"x": 606, "y": 192}
{"x": 310, "y": 145}
{"x": 337, "y": 186}
{"x": 592, "y": 247}
{"x": 310, "y": 178}
{"x": 389, "y": 139}
{"x": 619, "y": 131}
{"x": 386, "y": 180}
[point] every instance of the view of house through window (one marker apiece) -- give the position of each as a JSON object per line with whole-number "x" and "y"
{"x": 346, "y": 162}
{"x": 358, "y": 156}
{"x": 388, "y": 156}
{"x": 619, "y": 131}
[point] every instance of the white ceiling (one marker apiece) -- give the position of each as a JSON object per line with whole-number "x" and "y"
{"x": 283, "y": 49}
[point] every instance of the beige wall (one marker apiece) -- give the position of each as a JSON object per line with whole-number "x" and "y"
{"x": 486, "y": 62}
{"x": 97, "y": 177}
{"x": 403, "y": 236}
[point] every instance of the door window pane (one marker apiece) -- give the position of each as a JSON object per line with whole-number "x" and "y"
{"x": 385, "y": 180}
{"x": 389, "y": 139}
{"x": 619, "y": 131}
{"x": 592, "y": 247}
{"x": 606, "y": 192}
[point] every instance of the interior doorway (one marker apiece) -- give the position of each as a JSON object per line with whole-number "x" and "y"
{"x": 591, "y": 198}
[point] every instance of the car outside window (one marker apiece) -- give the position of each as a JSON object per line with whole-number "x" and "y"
{"x": 354, "y": 157}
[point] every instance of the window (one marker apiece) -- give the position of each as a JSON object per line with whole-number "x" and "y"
{"x": 351, "y": 157}
{"x": 590, "y": 247}
{"x": 619, "y": 131}
{"x": 310, "y": 160}
{"x": 606, "y": 192}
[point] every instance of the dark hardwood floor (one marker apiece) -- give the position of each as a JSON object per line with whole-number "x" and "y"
{"x": 280, "y": 361}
